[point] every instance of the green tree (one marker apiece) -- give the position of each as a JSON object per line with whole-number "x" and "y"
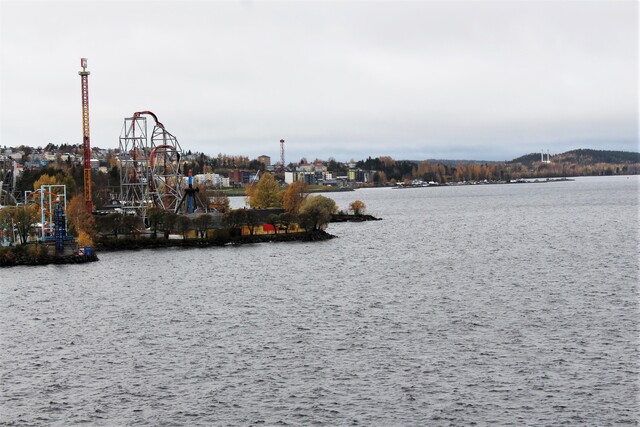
{"x": 154, "y": 218}
{"x": 130, "y": 224}
{"x": 202, "y": 224}
{"x": 168, "y": 222}
{"x": 24, "y": 219}
{"x": 110, "y": 224}
{"x": 316, "y": 212}
{"x": 234, "y": 219}
{"x": 274, "y": 221}
{"x": 252, "y": 220}
{"x": 286, "y": 219}
{"x": 183, "y": 225}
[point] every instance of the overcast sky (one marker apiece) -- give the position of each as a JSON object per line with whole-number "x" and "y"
{"x": 414, "y": 80}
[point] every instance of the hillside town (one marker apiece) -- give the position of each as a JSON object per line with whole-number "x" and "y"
{"x": 22, "y": 165}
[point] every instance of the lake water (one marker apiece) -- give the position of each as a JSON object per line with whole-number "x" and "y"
{"x": 489, "y": 305}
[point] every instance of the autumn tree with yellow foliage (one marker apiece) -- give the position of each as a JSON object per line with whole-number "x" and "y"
{"x": 293, "y": 197}
{"x": 357, "y": 207}
{"x": 59, "y": 178}
{"x": 22, "y": 218}
{"x": 81, "y": 223}
{"x": 265, "y": 193}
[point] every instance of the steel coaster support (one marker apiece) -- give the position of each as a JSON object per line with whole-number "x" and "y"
{"x": 149, "y": 168}
{"x": 165, "y": 176}
{"x": 134, "y": 158}
{"x": 50, "y": 196}
{"x": 7, "y": 181}
{"x": 60, "y": 227}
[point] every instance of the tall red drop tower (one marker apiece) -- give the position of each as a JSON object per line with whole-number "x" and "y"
{"x": 84, "y": 79}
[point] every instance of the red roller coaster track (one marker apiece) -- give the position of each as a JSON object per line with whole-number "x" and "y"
{"x": 139, "y": 113}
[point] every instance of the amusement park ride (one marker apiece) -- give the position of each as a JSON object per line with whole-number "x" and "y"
{"x": 150, "y": 169}
{"x": 150, "y": 173}
{"x": 53, "y": 205}
{"x": 86, "y": 145}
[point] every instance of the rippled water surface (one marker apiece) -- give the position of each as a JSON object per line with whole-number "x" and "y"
{"x": 495, "y": 305}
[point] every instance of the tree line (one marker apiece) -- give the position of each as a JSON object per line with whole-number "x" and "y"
{"x": 285, "y": 209}
{"x": 390, "y": 172}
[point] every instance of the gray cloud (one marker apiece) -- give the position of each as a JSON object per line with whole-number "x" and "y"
{"x": 483, "y": 80}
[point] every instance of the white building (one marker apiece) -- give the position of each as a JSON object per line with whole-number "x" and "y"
{"x": 210, "y": 180}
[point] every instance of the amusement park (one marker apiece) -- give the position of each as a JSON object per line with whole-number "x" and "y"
{"x": 58, "y": 219}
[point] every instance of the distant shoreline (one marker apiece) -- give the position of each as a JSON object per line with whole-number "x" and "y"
{"x": 456, "y": 184}
{"x": 327, "y": 189}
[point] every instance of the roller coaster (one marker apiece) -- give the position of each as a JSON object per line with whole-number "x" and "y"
{"x": 150, "y": 169}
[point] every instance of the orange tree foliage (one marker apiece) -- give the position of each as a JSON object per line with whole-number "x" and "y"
{"x": 293, "y": 197}
{"x": 81, "y": 223}
{"x": 220, "y": 202}
{"x": 60, "y": 178}
{"x": 357, "y": 207}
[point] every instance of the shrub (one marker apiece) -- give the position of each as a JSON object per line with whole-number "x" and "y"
{"x": 357, "y": 207}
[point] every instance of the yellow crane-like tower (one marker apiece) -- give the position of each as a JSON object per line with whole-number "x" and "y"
{"x": 84, "y": 79}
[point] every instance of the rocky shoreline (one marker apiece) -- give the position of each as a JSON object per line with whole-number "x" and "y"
{"x": 17, "y": 256}
{"x": 353, "y": 218}
{"x": 150, "y": 243}
{"x": 46, "y": 260}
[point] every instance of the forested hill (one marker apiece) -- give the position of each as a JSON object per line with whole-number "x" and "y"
{"x": 583, "y": 157}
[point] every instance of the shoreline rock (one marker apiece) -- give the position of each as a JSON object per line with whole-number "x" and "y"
{"x": 131, "y": 244}
{"x": 47, "y": 260}
{"x": 112, "y": 245}
{"x": 353, "y": 218}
